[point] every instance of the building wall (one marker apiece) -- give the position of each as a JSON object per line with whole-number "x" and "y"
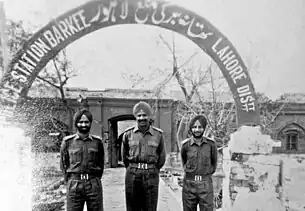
{"x": 290, "y": 121}
{"x": 107, "y": 108}
{"x": 165, "y": 125}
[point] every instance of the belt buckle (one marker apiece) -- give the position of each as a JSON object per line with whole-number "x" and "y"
{"x": 198, "y": 178}
{"x": 84, "y": 176}
{"x": 142, "y": 165}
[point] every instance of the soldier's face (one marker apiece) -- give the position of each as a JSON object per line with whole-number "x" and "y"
{"x": 197, "y": 130}
{"x": 83, "y": 125}
{"x": 142, "y": 119}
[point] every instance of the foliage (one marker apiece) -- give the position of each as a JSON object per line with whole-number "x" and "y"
{"x": 17, "y": 35}
{"x": 269, "y": 111}
{"x": 50, "y": 82}
{"x": 194, "y": 81}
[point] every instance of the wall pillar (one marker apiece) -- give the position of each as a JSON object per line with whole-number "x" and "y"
{"x": 251, "y": 172}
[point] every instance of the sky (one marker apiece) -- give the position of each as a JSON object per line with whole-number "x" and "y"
{"x": 269, "y": 36}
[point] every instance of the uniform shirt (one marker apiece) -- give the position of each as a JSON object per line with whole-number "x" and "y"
{"x": 199, "y": 159}
{"x": 143, "y": 148}
{"x": 82, "y": 156}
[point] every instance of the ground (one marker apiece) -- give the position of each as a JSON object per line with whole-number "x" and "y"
{"x": 114, "y": 192}
{"x": 49, "y": 190}
{"x": 53, "y": 194}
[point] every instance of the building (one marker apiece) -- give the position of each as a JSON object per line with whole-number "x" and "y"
{"x": 112, "y": 109}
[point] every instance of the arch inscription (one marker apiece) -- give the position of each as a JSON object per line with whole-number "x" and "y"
{"x": 97, "y": 14}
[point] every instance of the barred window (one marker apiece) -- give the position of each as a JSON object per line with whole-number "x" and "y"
{"x": 291, "y": 136}
{"x": 292, "y": 140}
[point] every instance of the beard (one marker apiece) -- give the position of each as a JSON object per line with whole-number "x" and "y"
{"x": 197, "y": 135}
{"x": 83, "y": 130}
{"x": 143, "y": 123}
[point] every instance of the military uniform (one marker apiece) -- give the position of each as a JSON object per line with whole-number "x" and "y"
{"x": 82, "y": 162}
{"x": 199, "y": 162}
{"x": 143, "y": 156}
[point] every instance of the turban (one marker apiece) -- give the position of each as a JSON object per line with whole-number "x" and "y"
{"x": 201, "y": 119}
{"x": 142, "y": 106}
{"x": 78, "y": 115}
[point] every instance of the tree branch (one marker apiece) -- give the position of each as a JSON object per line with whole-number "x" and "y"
{"x": 192, "y": 92}
{"x": 48, "y": 82}
{"x": 188, "y": 60}
{"x": 180, "y": 132}
{"x": 166, "y": 44}
{"x": 181, "y": 83}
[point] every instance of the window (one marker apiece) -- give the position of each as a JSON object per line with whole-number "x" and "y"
{"x": 292, "y": 140}
{"x": 291, "y": 136}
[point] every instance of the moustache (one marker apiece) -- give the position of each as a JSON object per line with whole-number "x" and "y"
{"x": 197, "y": 134}
{"x": 83, "y": 128}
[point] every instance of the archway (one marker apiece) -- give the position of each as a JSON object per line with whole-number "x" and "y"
{"x": 97, "y": 14}
{"x": 115, "y": 138}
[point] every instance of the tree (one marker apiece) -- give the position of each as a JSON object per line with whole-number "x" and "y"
{"x": 220, "y": 114}
{"x": 218, "y": 106}
{"x": 269, "y": 111}
{"x": 191, "y": 79}
{"x": 16, "y": 36}
{"x": 50, "y": 82}
{"x": 56, "y": 79}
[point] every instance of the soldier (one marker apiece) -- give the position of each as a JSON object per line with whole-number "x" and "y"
{"x": 82, "y": 162}
{"x": 143, "y": 153}
{"x": 199, "y": 159}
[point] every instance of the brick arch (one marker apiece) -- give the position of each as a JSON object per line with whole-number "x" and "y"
{"x": 122, "y": 117}
{"x": 291, "y": 126}
{"x": 97, "y": 14}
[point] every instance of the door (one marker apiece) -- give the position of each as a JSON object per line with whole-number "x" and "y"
{"x": 112, "y": 145}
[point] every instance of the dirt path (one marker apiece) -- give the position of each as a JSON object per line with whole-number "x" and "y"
{"x": 114, "y": 192}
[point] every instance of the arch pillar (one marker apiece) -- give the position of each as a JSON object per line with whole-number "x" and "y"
{"x": 97, "y": 14}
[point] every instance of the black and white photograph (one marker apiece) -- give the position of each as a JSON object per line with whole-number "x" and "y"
{"x": 152, "y": 105}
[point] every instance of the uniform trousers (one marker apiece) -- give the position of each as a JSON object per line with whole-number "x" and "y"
{"x": 141, "y": 189}
{"x": 81, "y": 191}
{"x": 198, "y": 192}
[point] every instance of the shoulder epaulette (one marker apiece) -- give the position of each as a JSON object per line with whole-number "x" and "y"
{"x": 185, "y": 141}
{"x": 129, "y": 128}
{"x": 209, "y": 139}
{"x": 66, "y": 138}
{"x": 97, "y": 137}
{"x": 157, "y": 129}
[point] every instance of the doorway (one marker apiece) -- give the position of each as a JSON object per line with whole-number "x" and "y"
{"x": 117, "y": 125}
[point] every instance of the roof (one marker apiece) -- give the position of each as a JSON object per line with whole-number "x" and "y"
{"x": 207, "y": 96}
{"x": 75, "y": 93}
{"x": 292, "y": 98}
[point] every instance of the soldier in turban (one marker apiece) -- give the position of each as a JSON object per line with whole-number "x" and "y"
{"x": 82, "y": 163}
{"x": 144, "y": 154}
{"x": 199, "y": 159}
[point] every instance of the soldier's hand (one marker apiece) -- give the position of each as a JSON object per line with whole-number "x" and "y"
{"x": 180, "y": 181}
